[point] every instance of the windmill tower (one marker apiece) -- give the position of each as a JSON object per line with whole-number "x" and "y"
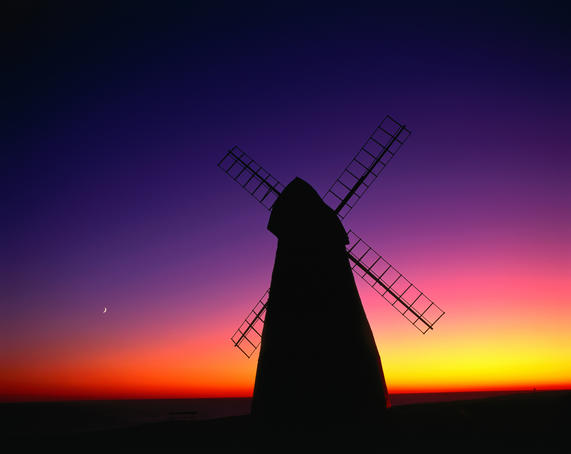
{"x": 318, "y": 359}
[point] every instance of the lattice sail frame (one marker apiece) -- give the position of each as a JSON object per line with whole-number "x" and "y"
{"x": 258, "y": 182}
{"x": 365, "y": 167}
{"x": 406, "y": 298}
{"x": 249, "y": 335}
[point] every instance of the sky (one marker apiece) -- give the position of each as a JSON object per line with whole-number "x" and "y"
{"x": 114, "y": 118}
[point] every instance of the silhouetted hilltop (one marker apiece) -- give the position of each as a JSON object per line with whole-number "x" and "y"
{"x": 536, "y": 421}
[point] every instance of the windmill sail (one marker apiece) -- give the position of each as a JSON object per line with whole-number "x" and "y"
{"x": 369, "y": 162}
{"x": 414, "y": 305}
{"x": 249, "y": 335}
{"x": 259, "y": 183}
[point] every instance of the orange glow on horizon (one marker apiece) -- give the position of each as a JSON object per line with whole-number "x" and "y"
{"x": 496, "y": 339}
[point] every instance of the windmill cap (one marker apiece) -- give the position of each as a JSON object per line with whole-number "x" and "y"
{"x": 299, "y": 214}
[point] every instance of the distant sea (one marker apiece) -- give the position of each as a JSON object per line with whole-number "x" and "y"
{"x": 70, "y": 416}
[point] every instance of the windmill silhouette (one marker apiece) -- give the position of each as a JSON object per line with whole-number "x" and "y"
{"x": 318, "y": 358}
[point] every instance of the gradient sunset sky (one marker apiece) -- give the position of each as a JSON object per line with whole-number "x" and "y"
{"x": 115, "y": 119}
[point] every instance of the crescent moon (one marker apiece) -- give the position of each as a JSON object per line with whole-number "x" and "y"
{"x": 104, "y": 310}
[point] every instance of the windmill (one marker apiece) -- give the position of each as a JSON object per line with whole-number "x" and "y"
{"x": 323, "y": 322}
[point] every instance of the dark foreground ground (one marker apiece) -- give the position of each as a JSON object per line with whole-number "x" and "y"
{"x": 524, "y": 422}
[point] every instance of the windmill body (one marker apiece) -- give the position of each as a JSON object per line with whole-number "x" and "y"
{"x": 318, "y": 358}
